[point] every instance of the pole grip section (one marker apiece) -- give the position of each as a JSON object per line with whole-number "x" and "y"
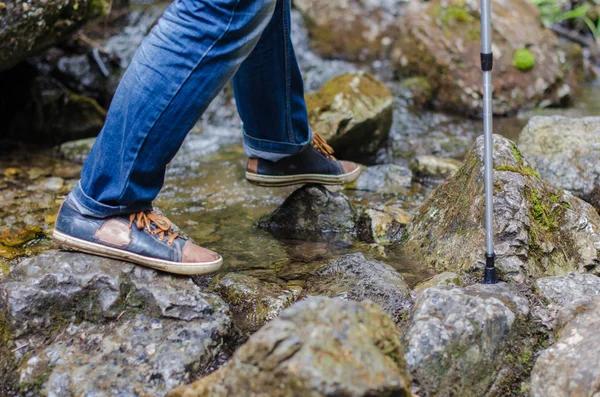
{"x": 490, "y": 276}
{"x": 487, "y": 62}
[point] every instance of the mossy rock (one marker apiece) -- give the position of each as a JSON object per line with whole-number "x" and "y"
{"x": 540, "y": 230}
{"x": 523, "y": 59}
{"x": 29, "y": 27}
{"x": 353, "y": 113}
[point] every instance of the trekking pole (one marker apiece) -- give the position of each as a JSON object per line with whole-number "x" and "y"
{"x": 487, "y": 60}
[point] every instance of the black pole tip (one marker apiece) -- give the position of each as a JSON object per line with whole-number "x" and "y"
{"x": 490, "y": 276}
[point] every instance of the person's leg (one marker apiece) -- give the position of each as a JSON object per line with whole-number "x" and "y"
{"x": 196, "y": 47}
{"x": 194, "y": 50}
{"x": 269, "y": 95}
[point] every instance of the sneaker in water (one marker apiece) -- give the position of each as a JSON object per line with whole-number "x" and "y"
{"x": 145, "y": 238}
{"x": 314, "y": 164}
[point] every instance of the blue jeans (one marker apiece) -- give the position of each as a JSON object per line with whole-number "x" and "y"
{"x": 194, "y": 50}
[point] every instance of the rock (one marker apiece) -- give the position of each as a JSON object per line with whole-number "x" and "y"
{"x": 353, "y": 113}
{"x": 76, "y": 151}
{"x": 31, "y": 26}
{"x": 382, "y": 225}
{"x": 446, "y": 278}
{"x": 566, "y": 153}
{"x": 386, "y": 178}
{"x": 431, "y": 168}
{"x": 571, "y": 367}
{"x": 356, "y": 278}
{"x": 354, "y": 31}
{"x": 539, "y": 230}
{"x": 317, "y": 347}
{"x": 311, "y": 211}
{"x": 252, "y": 301}
{"x": 563, "y": 290}
{"x": 123, "y": 327}
{"x": 457, "y": 336}
{"x": 429, "y": 40}
{"x": 435, "y": 36}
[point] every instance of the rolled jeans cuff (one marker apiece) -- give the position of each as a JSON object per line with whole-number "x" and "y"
{"x": 271, "y": 150}
{"x": 90, "y": 207}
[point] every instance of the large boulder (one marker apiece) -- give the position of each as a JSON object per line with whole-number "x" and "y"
{"x": 318, "y": 347}
{"x": 353, "y": 113}
{"x": 354, "y": 30}
{"x": 27, "y": 27}
{"x": 457, "y": 338}
{"x": 571, "y": 367}
{"x": 566, "y": 153}
{"x": 562, "y": 290}
{"x": 440, "y": 42}
{"x": 356, "y": 278}
{"x": 539, "y": 230}
{"x": 96, "y": 326}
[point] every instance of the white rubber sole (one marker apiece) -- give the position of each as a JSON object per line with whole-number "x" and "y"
{"x": 287, "y": 180}
{"x": 187, "y": 269}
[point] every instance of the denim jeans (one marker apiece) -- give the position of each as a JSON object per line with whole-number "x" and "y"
{"x": 194, "y": 50}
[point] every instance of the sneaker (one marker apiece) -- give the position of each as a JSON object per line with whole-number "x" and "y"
{"x": 145, "y": 238}
{"x": 314, "y": 164}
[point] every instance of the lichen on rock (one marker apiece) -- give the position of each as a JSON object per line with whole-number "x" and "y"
{"x": 540, "y": 230}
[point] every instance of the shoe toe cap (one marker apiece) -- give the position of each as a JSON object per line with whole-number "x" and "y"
{"x": 348, "y": 166}
{"x": 193, "y": 253}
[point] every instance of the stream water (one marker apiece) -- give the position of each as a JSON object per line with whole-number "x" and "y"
{"x": 206, "y": 193}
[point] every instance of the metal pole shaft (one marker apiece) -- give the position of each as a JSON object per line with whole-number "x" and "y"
{"x": 486, "y": 66}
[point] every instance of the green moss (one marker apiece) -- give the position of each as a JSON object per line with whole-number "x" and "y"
{"x": 525, "y": 171}
{"x": 98, "y": 8}
{"x": 523, "y": 59}
{"x": 455, "y": 15}
{"x": 540, "y": 211}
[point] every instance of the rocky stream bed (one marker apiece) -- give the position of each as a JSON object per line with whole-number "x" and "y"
{"x": 370, "y": 289}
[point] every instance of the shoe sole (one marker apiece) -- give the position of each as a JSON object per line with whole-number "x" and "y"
{"x": 288, "y": 180}
{"x": 187, "y": 269}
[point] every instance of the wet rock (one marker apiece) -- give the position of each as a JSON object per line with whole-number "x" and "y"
{"x": 566, "y": 289}
{"x": 382, "y": 225}
{"x": 253, "y": 301}
{"x": 356, "y": 278}
{"x": 318, "y": 347}
{"x": 311, "y": 211}
{"x": 353, "y": 113}
{"x": 386, "y": 178}
{"x": 138, "y": 330}
{"x": 539, "y": 230}
{"x": 354, "y": 31}
{"x": 457, "y": 337}
{"x": 76, "y": 151}
{"x": 431, "y": 168}
{"x": 417, "y": 91}
{"x": 571, "y": 367}
{"x": 29, "y": 27}
{"x": 566, "y": 153}
{"x": 446, "y": 278}
{"x": 433, "y": 33}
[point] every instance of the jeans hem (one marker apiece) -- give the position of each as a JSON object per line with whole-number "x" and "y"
{"x": 90, "y": 207}
{"x": 265, "y": 145}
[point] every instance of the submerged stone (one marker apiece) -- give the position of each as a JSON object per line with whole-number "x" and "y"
{"x": 353, "y": 113}
{"x": 317, "y": 347}
{"x": 539, "y": 230}
{"x": 252, "y": 301}
{"x": 566, "y": 153}
{"x": 357, "y": 278}
{"x": 383, "y": 225}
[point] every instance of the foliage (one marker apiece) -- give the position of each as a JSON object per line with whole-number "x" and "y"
{"x": 557, "y": 11}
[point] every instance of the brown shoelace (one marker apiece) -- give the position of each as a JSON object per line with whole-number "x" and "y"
{"x": 146, "y": 218}
{"x": 322, "y": 146}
